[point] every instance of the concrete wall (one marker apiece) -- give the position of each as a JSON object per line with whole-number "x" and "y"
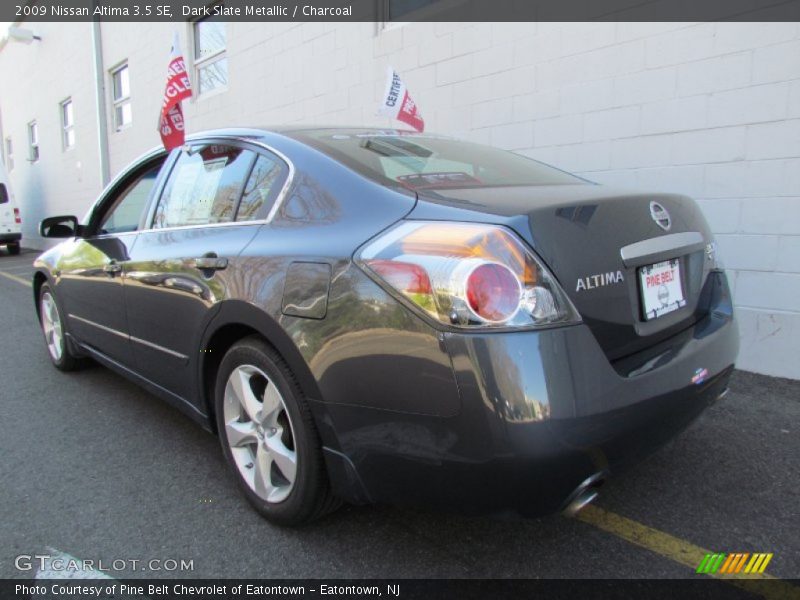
{"x": 711, "y": 110}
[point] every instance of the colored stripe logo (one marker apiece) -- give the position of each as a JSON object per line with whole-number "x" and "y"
{"x": 734, "y": 563}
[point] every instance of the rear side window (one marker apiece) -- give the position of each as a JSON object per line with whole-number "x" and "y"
{"x": 429, "y": 162}
{"x": 262, "y": 187}
{"x": 3, "y": 193}
{"x": 204, "y": 186}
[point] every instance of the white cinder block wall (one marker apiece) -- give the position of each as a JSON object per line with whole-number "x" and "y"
{"x": 711, "y": 110}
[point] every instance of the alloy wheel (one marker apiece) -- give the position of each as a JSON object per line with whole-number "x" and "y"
{"x": 259, "y": 433}
{"x": 51, "y": 325}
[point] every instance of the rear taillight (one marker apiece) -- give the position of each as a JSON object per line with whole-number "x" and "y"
{"x": 17, "y": 218}
{"x": 467, "y": 275}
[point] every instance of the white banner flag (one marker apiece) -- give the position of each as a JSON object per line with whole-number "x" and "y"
{"x": 397, "y": 104}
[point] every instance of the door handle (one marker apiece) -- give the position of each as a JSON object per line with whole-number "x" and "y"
{"x": 210, "y": 262}
{"x": 112, "y": 268}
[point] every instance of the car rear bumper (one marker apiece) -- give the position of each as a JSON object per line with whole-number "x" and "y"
{"x": 541, "y": 412}
{"x": 10, "y": 238}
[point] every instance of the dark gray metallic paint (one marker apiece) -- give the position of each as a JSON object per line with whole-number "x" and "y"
{"x": 408, "y": 412}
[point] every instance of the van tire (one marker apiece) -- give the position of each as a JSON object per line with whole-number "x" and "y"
{"x": 14, "y": 249}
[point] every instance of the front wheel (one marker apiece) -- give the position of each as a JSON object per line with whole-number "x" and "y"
{"x": 54, "y": 333}
{"x": 268, "y": 435}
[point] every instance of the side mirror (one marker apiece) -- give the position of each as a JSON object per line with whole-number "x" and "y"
{"x": 60, "y": 227}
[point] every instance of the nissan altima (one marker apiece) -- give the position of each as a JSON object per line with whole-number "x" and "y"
{"x": 369, "y": 315}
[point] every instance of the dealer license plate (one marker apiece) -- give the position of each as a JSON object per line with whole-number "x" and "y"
{"x": 661, "y": 287}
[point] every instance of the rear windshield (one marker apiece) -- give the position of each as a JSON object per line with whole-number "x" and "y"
{"x": 3, "y": 194}
{"x": 428, "y": 162}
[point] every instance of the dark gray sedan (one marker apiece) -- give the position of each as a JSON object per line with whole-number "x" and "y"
{"x": 383, "y": 316}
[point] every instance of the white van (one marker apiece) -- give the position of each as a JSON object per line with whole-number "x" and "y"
{"x": 10, "y": 222}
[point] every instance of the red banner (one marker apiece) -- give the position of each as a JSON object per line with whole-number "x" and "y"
{"x": 409, "y": 114}
{"x": 179, "y": 87}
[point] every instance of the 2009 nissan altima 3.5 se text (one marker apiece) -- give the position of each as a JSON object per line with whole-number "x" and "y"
{"x": 383, "y": 316}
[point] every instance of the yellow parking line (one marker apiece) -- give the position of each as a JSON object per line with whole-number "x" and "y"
{"x": 16, "y": 278}
{"x": 682, "y": 552}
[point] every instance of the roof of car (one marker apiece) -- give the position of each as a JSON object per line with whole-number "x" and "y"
{"x": 296, "y": 129}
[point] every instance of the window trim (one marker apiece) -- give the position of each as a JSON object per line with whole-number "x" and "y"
{"x": 107, "y": 198}
{"x": 151, "y": 217}
{"x": 140, "y": 163}
{"x": 274, "y": 194}
{"x": 123, "y": 100}
{"x": 200, "y": 63}
{"x": 67, "y": 128}
{"x": 34, "y": 155}
{"x": 8, "y": 150}
{"x": 247, "y": 143}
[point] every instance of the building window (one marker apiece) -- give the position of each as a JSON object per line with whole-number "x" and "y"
{"x": 67, "y": 125}
{"x": 121, "y": 96}
{"x": 33, "y": 141}
{"x": 210, "y": 60}
{"x": 9, "y": 154}
{"x": 395, "y": 10}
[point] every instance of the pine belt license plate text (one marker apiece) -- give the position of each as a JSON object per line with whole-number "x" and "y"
{"x": 662, "y": 291}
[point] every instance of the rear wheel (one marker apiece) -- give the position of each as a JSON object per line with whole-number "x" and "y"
{"x": 54, "y": 332}
{"x": 13, "y": 249}
{"x": 268, "y": 435}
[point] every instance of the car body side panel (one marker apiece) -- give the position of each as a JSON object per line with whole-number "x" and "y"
{"x": 92, "y": 297}
{"x": 167, "y": 297}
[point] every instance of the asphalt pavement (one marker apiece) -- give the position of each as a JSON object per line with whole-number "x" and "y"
{"x": 94, "y": 467}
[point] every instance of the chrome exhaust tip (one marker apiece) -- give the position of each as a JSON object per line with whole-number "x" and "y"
{"x": 583, "y": 495}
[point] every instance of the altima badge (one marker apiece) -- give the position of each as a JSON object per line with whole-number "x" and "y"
{"x": 599, "y": 280}
{"x": 660, "y": 216}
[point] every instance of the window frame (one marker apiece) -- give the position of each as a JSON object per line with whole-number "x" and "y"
{"x": 118, "y": 103}
{"x": 34, "y": 155}
{"x": 199, "y": 63}
{"x": 107, "y": 202}
{"x": 258, "y": 148}
{"x": 176, "y": 155}
{"x": 274, "y": 192}
{"x": 384, "y": 15}
{"x": 8, "y": 148}
{"x": 67, "y": 128}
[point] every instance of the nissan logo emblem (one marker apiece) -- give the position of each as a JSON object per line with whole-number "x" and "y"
{"x": 660, "y": 216}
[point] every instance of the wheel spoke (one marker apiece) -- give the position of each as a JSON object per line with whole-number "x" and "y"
{"x": 240, "y": 434}
{"x": 283, "y": 457}
{"x": 263, "y": 474}
{"x": 49, "y": 306}
{"x": 244, "y": 393}
{"x": 271, "y": 407}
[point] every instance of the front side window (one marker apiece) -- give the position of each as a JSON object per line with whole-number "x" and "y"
{"x": 126, "y": 210}
{"x": 210, "y": 59}
{"x": 33, "y": 141}
{"x": 121, "y": 96}
{"x": 67, "y": 124}
{"x": 204, "y": 186}
{"x": 9, "y": 154}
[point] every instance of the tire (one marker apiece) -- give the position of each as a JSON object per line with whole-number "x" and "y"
{"x": 275, "y": 453}
{"x": 52, "y": 323}
{"x": 13, "y": 249}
